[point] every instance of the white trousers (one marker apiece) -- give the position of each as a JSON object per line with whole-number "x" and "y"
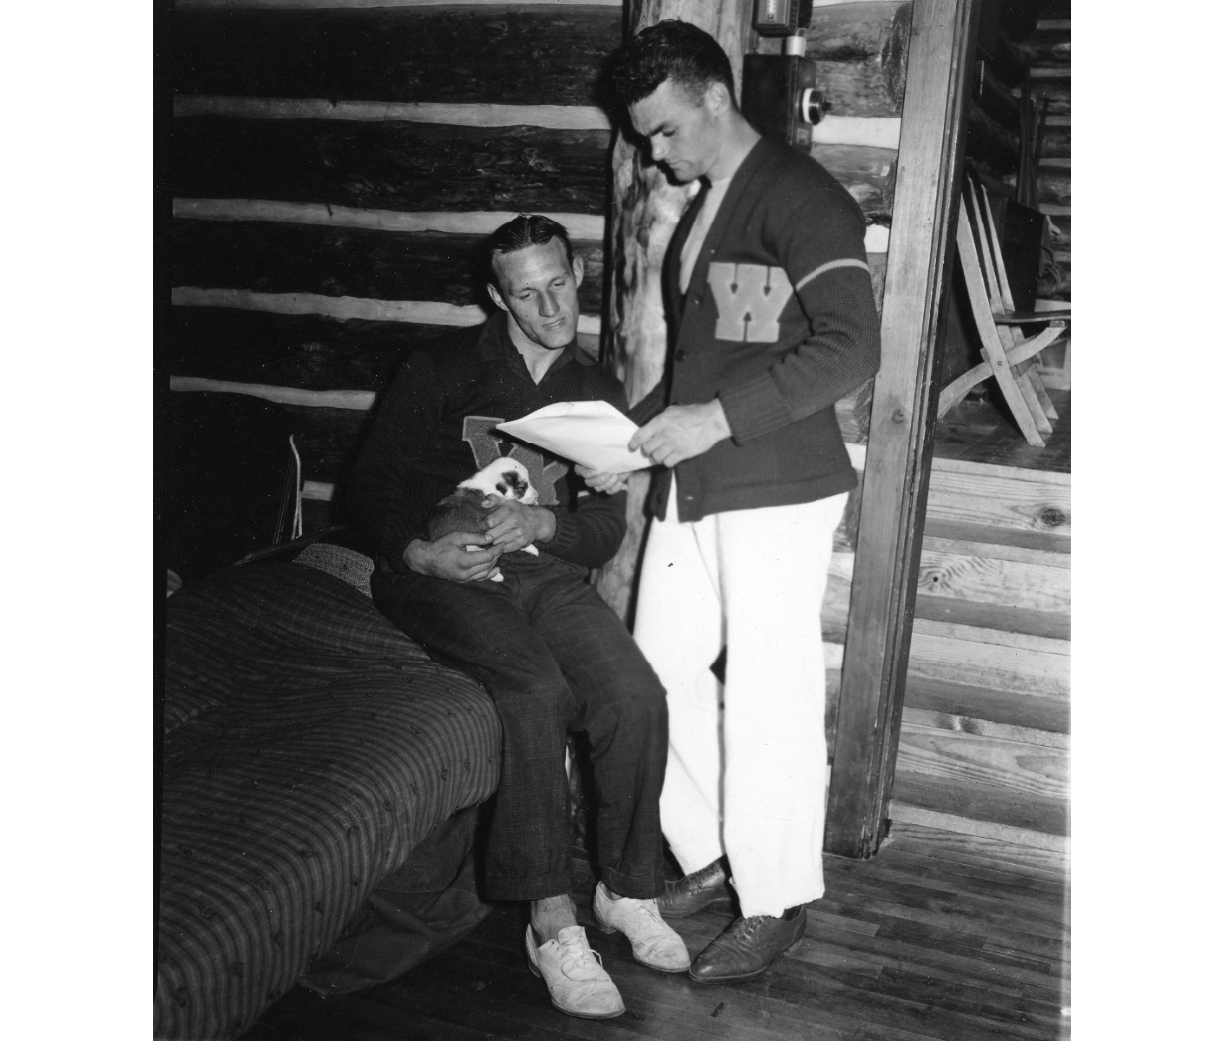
{"x": 750, "y": 781}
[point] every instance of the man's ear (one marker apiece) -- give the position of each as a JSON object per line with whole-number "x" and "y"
{"x": 496, "y": 297}
{"x": 579, "y": 269}
{"x": 717, "y": 98}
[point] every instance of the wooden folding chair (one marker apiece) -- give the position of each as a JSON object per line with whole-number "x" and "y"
{"x": 1008, "y": 355}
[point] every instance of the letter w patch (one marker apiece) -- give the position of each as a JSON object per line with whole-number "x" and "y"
{"x": 750, "y": 298}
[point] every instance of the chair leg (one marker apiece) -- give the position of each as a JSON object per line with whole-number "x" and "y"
{"x": 1041, "y": 392}
{"x": 1027, "y": 387}
{"x": 1016, "y": 399}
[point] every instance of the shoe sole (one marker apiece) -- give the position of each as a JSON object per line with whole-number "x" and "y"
{"x": 750, "y": 975}
{"x": 610, "y": 929}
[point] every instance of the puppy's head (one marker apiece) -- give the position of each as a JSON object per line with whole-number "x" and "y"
{"x": 507, "y": 478}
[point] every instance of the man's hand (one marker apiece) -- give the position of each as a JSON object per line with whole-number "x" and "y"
{"x": 513, "y": 526}
{"x": 681, "y": 432}
{"x": 602, "y": 482}
{"x": 449, "y": 558}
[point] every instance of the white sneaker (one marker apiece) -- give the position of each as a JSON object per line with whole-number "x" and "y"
{"x": 654, "y": 943}
{"x": 574, "y": 974}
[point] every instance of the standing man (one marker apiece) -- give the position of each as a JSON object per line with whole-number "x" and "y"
{"x": 547, "y": 649}
{"x": 771, "y": 320}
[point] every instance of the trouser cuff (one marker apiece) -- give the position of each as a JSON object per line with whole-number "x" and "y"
{"x": 638, "y": 887}
{"x": 533, "y": 887}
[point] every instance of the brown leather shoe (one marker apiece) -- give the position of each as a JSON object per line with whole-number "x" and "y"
{"x": 746, "y": 949}
{"x": 707, "y": 888}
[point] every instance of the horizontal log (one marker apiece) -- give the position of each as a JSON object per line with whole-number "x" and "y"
{"x": 581, "y": 226}
{"x": 853, "y": 130}
{"x": 867, "y": 173}
{"x": 341, "y": 262}
{"x": 555, "y": 117}
{"x": 1053, "y": 185}
{"x": 1055, "y": 142}
{"x": 355, "y": 400}
{"x": 513, "y": 56}
{"x": 420, "y": 312}
{"x": 391, "y": 165}
{"x": 1047, "y": 47}
{"x": 310, "y": 352}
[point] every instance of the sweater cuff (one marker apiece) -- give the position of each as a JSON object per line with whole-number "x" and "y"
{"x": 754, "y": 409}
{"x": 566, "y": 535}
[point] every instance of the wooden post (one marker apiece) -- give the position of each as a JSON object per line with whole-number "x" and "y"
{"x": 900, "y": 450}
{"x": 645, "y": 208}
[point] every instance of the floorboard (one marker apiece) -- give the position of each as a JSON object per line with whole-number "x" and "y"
{"x": 923, "y": 942}
{"x": 981, "y": 430}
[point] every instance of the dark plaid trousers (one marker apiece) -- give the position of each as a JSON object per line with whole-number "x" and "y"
{"x": 554, "y": 657}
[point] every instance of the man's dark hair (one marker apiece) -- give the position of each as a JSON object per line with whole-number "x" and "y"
{"x": 526, "y": 229}
{"x": 673, "y": 50}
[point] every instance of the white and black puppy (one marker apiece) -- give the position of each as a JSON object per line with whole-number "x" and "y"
{"x": 461, "y": 509}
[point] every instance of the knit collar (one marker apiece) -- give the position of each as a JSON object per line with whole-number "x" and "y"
{"x": 495, "y": 345}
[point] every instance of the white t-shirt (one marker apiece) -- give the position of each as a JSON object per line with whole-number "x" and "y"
{"x": 704, "y": 220}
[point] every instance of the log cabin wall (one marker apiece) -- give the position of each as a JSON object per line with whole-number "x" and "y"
{"x": 334, "y": 167}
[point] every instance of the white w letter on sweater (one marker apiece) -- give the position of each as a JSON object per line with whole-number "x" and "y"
{"x": 750, "y": 298}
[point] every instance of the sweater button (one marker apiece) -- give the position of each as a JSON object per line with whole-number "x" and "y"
{"x": 680, "y": 355}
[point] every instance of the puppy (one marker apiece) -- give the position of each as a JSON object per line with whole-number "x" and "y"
{"x": 461, "y": 510}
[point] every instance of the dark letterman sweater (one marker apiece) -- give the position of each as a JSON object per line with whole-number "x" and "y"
{"x": 778, "y": 323}
{"x": 436, "y": 426}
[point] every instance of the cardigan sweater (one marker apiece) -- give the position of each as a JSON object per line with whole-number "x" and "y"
{"x": 778, "y": 323}
{"x": 436, "y": 426}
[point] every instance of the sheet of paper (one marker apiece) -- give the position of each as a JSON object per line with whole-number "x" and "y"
{"x": 592, "y": 433}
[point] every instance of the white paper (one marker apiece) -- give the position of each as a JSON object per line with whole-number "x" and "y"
{"x": 592, "y": 433}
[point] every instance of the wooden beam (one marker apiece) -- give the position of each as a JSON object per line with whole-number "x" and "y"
{"x": 439, "y": 53}
{"x": 393, "y": 166}
{"x": 423, "y": 312}
{"x": 902, "y": 422}
{"x": 857, "y": 130}
{"x": 581, "y": 226}
{"x": 555, "y": 117}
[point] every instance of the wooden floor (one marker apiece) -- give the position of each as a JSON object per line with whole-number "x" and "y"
{"x": 927, "y": 940}
{"x": 981, "y": 430}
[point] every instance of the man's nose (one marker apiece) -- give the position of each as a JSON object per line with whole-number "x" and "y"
{"x": 658, "y": 149}
{"x": 547, "y": 304}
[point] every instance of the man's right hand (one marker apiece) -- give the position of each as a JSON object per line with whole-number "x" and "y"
{"x": 448, "y": 557}
{"x": 608, "y": 483}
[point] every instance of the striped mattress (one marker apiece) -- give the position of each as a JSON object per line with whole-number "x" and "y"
{"x": 308, "y": 746}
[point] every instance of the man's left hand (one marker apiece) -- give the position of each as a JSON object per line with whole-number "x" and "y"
{"x": 514, "y": 526}
{"x": 681, "y": 432}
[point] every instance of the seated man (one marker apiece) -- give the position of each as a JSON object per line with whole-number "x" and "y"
{"x": 549, "y": 651}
